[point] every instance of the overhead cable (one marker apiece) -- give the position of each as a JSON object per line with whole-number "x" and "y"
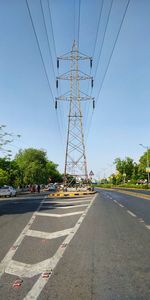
{"x": 113, "y": 49}
{"x": 54, "y": 44}
{"x": 47, "y": 37}
{"x": 102, "y": 82}
{"x": 79, "y": 23}
{"x": 101, "y": 48}
{"x": 47, "y": 78}
{"x": 38, "y": 44}
{"x": 96, "y": 38}
{"x": 50, "y": 16}
{"x": 98, "y": 26}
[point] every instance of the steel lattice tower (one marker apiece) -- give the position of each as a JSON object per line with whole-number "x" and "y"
{"x": 75, "y": 157}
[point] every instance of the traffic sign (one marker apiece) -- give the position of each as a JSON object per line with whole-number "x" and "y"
{"x": 91, "y": 173}
{"x": 147, "y": 169}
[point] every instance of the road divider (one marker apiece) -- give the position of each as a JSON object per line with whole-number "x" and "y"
{"x": 71, "y": 194}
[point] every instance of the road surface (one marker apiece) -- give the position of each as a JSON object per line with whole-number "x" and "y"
{"x": 140, "y": 191}
{"x": 88, "y": 249}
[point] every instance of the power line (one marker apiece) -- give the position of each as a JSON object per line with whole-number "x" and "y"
{"x": 50, "y": 17}
{"x": 101, "y": 47}
{"x": 54, "y": 44}
{"x": 79, "y": 23}
{"x": 127, "y": 5}
{"x": 98, "y": 25}
{"x": 96, "y": 38}
{"x": 102, "y": 44}
{"x": 113, "y": 49}
{"x": 38, "y": 44}
{"x": 45, "y": 27}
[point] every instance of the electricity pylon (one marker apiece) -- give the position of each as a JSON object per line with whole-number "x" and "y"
{"x": 75, "y": 157}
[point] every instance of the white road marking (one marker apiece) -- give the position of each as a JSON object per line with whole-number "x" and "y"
{"x": 73, "y": 206}
{"x": 64, "y": 207}
{"x": 141, "y": 220}
{"x": 26, "y": 270}
{"x": 130, "y": 213}
{"x": 41, "y": 282}
{"x": 147, "y": 226}
{"x": 67, "y": 202}
{"x": 47, "y": 235}
{"x": 115, "y": 201}
{"x": 6, "y": 260}
{"x": 20, "y": 269}
{"x": 59, "y": 215}
{"x": 118, "y": 203}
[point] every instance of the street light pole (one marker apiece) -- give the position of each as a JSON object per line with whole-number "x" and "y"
{"x": 147, "y": 165}
{"x": 146, "y": 147}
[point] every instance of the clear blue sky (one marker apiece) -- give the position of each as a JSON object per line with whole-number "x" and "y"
{"x": 121, "y": 118}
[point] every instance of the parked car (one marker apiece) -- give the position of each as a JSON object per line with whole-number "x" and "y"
{"x": 7, "y": 191}
{"x": 50, "y": 187}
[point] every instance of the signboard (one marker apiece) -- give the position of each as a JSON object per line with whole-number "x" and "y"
{"x": 91, "y": 173}
{"x": 147, "y": 169}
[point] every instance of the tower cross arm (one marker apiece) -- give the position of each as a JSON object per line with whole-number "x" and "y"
{"x": 72, "y": 55}
{"x": 71, "y": 75}
{"x": 69, "y": 98}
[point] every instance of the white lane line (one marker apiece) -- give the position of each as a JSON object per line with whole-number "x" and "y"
{"x": 41, "y": 282}
{"x": 147, "y": 226}
{"x": 118, "y": 203}
{"x": 64, "y": 207}
{"x": 130, "y": 213}
{"x": 141, "y": 220}
{"x": 115, "y": 201}
{"x": 59, "y": 215}
{"x": 73, "y": 206}
{"x": 6, "y": 260}
{"x": 48, "y": 235}
{"x": 68, "y": 202}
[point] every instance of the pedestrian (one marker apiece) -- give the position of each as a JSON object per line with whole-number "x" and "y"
{"x": 38, "y": 188}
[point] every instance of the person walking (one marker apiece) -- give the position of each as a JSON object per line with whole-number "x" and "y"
{"x": 38, "y": 188}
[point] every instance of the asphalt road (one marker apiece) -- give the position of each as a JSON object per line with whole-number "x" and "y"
{"x": 88, "y": 249}
{"x": 146, "y": 192}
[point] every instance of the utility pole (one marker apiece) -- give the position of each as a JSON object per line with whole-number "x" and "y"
{"x": 75, "y": 156}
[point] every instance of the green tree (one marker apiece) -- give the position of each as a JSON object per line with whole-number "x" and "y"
{"x": 143, "y": 164}
{"x": 35, "y": 167}
{"x": 3, "y": 177}
{"x": 113, "y": 179}
{"x": 125, "y": 166}
{"x": 52, "y": 172}
{"x": 32, "y": 163}
{"x": 12, "y": 170}
{"x": 135, "y": 174}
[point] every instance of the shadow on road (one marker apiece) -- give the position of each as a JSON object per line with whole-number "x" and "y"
{"x": 27, "y": 203}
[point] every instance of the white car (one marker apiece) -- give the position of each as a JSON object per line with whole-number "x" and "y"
{"x": 50, "y": 187}
{"x": 7, "y": 191}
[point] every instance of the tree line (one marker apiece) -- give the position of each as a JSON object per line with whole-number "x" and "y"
{"x": 30, "y": 166}
{"x": 127, "y": 170}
